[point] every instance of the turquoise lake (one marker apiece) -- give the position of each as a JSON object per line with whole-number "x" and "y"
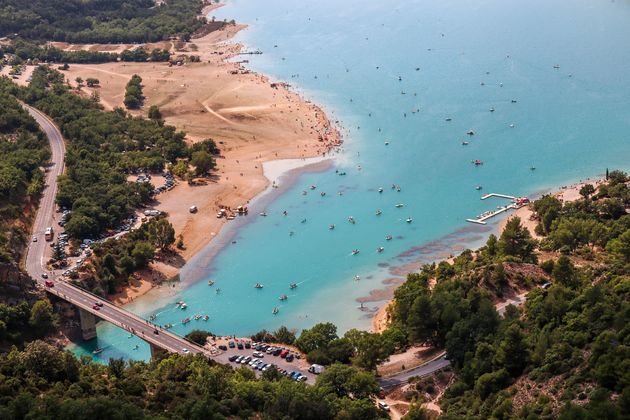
{"x": 395, "y": 72}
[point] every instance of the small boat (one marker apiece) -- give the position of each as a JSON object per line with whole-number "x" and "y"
{"x": 210, "y": 282}
{"x": 283, "y": 297}
{"x": 399, "y": 205}
{"x": 183, "y": 306}
{"x": 378, "y": 212}
{"x": 197, "y": 317}
{"x": 205, "y": 318}
{"x": 218, "y": 290}
{"x": 532, "y": 168}
{"x": 513, "y": 101}
{"x": 449, "y": 119}
{"x": 313, "y": 187}
{"x": 185, "y": 321}
{"x": 355, "y": 251}
{"x": 470, "y": 132}
{"x": 380, "y": 249}
{"x": 342, "y": 173}
{"x": 492, "y": 109}
{"x": 388, "y": 238}
{"x": 263, "y": 214}
{"x": 180, "y": 303}
{"x": 303, "y": 221}
{"x": 258, "y": 286}
{"x": 293, "y": 286}
{"x": 398, "y": 188}
{"x": 331, "y": 227}
{"x": 351, "y": 220}
{"x": 380, "y": 189}
{"x": 511, "y": 125}
{"x": 97, "y": 350}
{"x": 152, "y": 317}
{"x": 556, "y": 66}
{"x": 323, "y": 194}
{"x": 386, "y": 143}
{"x": 357, "y": 278}
{"x": 464, "y": 143}
{"x": 478, "y": 187}
{"x": 275, "y": 310}
{"x": 477, "y": 162}
{"x": 168, "y": 326}
{"x": 409, "y": 220}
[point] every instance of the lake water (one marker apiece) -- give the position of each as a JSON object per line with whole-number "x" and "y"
{"x": 395, "y": 71}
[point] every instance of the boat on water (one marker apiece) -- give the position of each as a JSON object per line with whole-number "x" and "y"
{"x": 263, "y": 214}
{"x": 331, "y": 227}
{"x": 293, "y": 286}
{"x": 388, "y": 238}
{"x": 152, "y": 317}
{"x": 185, "y": 321}
{"x": 351, "y": 220}
{"x": 492, "y": 109}
{"x": 283, "y": 297}
{"x": 205, "y": 318}
{"x": 378, "y": 212}
{"x": 342, "y": 173}
{"x": 275, "y": 310}
{"x": 470, "y": 132}
{"x": 355, "y": 251}
{"x": 409, "y": 220}
{"x": 380, "y": 189}
{"x": 380, "y": 249}
{"x": 322, "y": 193}
{"x": 478, "y": 187}
{"x": 210, "y": 282}
{"x": 313, "y": 187}
{"x": 477, "y": 162}
{"x": 197, "y": 317}
{"x": 258, "y": 286}
{"x": 357, "y": 278}
{"x": 167, "y": 326}
{"x": 97, "y": 350}
{"x": 399, "y": 205}
{"x": 465, "y": 143}
{"x": 183, "y": 306}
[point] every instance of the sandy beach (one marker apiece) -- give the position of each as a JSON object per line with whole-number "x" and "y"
{"x": 252, "y": 119}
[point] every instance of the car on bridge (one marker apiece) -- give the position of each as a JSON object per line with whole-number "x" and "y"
{"x": 49, "y": 283}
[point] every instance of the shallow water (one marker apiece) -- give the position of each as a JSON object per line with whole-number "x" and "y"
{"x": 570, "y": 123}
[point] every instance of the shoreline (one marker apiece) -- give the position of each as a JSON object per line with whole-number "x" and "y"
{"x": 567, "y": 193}
{"x": 264, "y": 130}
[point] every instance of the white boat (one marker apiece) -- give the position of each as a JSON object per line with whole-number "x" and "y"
{"x": 357, "y": 278}
{"x": 275, "y": 310}
{"x": 409, "y": 220}
{"x": 399, "y": 205}
{"x": 351, "y": 220}
{"x": 97, "y": 350}
{"x": 210, "y": 282}
{"x": 355, "y": 251}
{"x": 388, "y": 238}
{"x": 331, "y": 227}
{"x": 380, "y": 249}
{"x": 380, "y": 189}
{"x": 263, "y": 214}
{"x": 258, "y": 286}
{"x": 378, "y": 212}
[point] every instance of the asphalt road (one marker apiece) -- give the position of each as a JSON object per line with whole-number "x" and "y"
{"x": 39, "y": 252}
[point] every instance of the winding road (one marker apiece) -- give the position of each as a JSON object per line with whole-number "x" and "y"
{"x": 39, "y": 252}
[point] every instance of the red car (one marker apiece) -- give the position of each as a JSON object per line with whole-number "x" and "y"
{"x": 49, "y": 283}
{"x": 96, "y": 307}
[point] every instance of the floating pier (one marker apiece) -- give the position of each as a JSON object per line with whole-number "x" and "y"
{"x": 517, "y": 202}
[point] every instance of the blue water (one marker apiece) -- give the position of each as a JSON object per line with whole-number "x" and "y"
{"x": 570, "y": 123}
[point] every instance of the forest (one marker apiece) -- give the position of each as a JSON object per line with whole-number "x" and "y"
{"x": 571, "y": 338}
{"x": 100, "y": 21}
{"x": 102, "y": 149}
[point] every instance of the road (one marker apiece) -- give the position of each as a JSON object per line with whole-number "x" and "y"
{"x": 440, "y": 362}
{"x": 39, "y": 252}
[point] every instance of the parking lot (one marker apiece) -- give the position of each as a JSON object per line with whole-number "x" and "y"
{"x": 263, "y": 356}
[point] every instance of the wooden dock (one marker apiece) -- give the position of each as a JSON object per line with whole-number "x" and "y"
{"x": 481, "y": 219}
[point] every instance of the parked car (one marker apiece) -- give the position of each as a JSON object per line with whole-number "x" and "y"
{"x": 223, "y": 347}
{"x": 289, "y": 358}
{"x": 231, "y": 344}
{"x": 44, "y": 275}
{"x": 49, "y": 283}
{"x": 248, "y": 345}
{"x": 233, "y": 358}
{"x": 383, "y": 406}
{"x": 240, "y": 346}
{"x": 284, "y": 353}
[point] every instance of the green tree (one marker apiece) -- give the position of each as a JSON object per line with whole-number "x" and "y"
{"x": 587, "y": 190}
{"x": 143, "y": 253}
{"x": 198, "y": 336}
{"x": 161, "y": 233}
{"x": 284, "y": 335}
{"x": 516, "y": 241}
{"x": 319, "y": 336}
{"x": 43, "y": 319}
{"x": 92, "y": 82}
{"x": 203, "y": 162}
{"x": 513, "y": 352}
{"x": 620, "y": 246}
{"x": 154, "y": 113}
